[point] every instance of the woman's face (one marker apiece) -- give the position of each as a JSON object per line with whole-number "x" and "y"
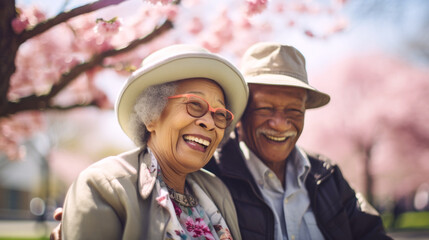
{"x": 184, "y": 142}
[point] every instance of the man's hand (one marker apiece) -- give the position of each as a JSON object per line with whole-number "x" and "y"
{"x": 56, "y": 232}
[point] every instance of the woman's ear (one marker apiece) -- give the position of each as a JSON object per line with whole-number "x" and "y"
{"x": 150, "y": 127}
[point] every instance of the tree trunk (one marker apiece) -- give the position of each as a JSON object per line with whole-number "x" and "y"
{"x": 369, "y": 180}
{"x": 8, "y": 48}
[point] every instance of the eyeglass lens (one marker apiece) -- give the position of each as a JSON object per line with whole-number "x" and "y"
{"x": 197, "y": 107}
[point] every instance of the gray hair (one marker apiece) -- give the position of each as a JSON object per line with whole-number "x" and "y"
{"x": 149, "y": 106}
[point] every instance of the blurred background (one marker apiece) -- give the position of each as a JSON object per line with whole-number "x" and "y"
{"x": 63, "y": 69}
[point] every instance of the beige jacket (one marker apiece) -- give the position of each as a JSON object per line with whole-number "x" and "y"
{"x": 115, "y": 198}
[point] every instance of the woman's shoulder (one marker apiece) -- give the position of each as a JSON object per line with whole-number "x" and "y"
{"x": 113, "y": 167}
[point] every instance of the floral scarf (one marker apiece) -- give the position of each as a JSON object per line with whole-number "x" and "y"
{"x": 202, "y": 221}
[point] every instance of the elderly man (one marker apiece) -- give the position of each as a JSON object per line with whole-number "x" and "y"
{"x": 281, "y": 191}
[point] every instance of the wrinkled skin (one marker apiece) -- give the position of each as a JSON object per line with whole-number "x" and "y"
{"x": 273, "y": 122}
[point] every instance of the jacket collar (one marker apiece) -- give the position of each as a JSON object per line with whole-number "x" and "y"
{"x": 321, "y": 168}
{"x": 147, "y": 172}
{"x": 231, "y": 163}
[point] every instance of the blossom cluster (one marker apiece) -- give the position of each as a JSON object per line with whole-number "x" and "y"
{"x": 108, "y": 28}
{"x": 26, "y": 18}
{"x": 256, "y": 6}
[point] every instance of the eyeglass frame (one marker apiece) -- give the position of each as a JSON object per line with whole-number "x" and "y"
{"x": 209, "y": 109}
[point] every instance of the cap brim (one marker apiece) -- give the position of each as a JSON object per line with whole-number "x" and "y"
{"x": 183, "y": 66}
{"x": 315, "y": 98}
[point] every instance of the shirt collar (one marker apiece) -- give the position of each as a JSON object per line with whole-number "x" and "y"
{"x": 257, "y": 168}
{"x": 298, "y": 166}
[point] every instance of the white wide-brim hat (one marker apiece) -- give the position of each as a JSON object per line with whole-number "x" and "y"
{"x": 178, "y": 62}
{"x": 272, "y": 63}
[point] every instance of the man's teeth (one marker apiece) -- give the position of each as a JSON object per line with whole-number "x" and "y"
{"x": 197, "y": 140}
{"x": 277, "y": 139}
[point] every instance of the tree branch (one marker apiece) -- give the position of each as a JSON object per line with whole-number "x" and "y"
{"x": 66, "y": 108}
{"x": 98, "y": 59}
{"x": 65, "y": 16}
{"x": 43, "y": 102}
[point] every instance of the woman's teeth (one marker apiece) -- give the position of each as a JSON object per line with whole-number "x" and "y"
{"x": 197, "y": 140}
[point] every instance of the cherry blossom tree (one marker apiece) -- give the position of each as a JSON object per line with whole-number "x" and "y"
{"x": 376, "y": 124}
{"x": 51, "y": 63}
{"x": 43, "y": 57}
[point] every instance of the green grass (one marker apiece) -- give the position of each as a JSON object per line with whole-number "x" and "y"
{"x": 407, "y": 221}
{"x": 404, "y": 222}
{"x": 18, "y": 238}
{"x": 413, "y": 220}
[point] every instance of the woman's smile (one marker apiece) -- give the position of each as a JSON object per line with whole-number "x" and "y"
{"x": 197, "y": 142}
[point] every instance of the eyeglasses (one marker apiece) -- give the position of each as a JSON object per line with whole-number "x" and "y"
{"x": 198, "y": 107}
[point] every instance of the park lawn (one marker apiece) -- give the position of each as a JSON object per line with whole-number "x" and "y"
{"x": 407, "y": 220}
{"x": 18, "y": 238}
{"x": 413, "y": 220}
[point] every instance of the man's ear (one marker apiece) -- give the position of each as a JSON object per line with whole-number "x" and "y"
{"x": 239, "y": 130}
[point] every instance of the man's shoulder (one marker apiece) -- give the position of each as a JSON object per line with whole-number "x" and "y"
{"x": 318, "y": 160}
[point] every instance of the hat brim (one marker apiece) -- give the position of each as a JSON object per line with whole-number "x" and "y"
{"x": 315, "y": 98}
{"x": 179, "y": 67}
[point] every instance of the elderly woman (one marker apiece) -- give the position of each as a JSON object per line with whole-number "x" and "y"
{"x": 177, "y": 107}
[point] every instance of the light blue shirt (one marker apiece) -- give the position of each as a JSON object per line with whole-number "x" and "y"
{"x": 294, "y": 218}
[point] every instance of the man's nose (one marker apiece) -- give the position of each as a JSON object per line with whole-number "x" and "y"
{"x": 280, "y": 121}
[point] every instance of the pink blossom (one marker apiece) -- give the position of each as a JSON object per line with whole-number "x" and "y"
{"x": 26, "y": 17}
{"x": 19, "y": 24}
{"x": 338, "y": 26}
{"x": 300, "y": 7}
{"x": 170, "y": 11}
{"x": 14, "y": 130}
{"x": 163, "y": 2}
{"x": 309, "y": 33}
{"x": 244, "y": 23}
{"x": 255, "y": 6}
{"x": 280, "y": 8}
{"x": 222, "y": 29}
{"x": 108, "y": 28}
{"x": 38, "y": 15}
{"x": 195, "y": 26}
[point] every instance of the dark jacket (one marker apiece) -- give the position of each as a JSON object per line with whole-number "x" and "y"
{"x": 334, "y": 203}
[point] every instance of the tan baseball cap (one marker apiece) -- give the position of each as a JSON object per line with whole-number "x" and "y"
{"x": 275, "y": 64}
{"x": 178, "y": 62}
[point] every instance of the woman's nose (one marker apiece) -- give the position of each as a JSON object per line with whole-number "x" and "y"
{"x": 206, "y": 121}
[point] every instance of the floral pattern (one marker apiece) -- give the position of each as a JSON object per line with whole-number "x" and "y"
{"x": 190, "y": 223}
{"x": 195, "y": 224}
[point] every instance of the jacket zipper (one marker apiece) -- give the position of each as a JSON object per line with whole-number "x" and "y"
{"x": 316, "y": 189}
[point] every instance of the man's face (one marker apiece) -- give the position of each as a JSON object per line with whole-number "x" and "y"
{"x": 273, "y": 121}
